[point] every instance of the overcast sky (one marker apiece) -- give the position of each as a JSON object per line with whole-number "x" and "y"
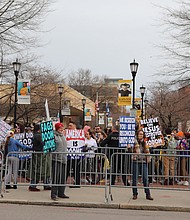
{"x": 104, "y": 36}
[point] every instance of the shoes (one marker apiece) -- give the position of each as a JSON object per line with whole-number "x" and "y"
{"x": 181, "y": 183}
{"x": 64, "y": 197}
{"x": 47, "y": 188}
{"x": 134, "y": 197}
{"x": 127, "y": 183}
{"x": 165, "y": 182}
{"x": 28, "y": 179}
{"x": 9, "y": 187}
{"x": 54, "y": 198}
{"x": 14, "y": 186}
{"x": 34, "y": 189}
{"x": 149, "y": 197}
{"x": 186, "y": 183}
{"x": 74, "y": 186}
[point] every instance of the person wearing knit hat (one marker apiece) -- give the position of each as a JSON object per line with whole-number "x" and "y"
{"x": 180, "y": 134}
{"x": 59, "y": 164}
{"x": 58, "y": 125}
{"x": 183, "y": 148}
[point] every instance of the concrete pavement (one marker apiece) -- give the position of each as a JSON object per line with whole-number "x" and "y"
{"x": 92, "y": 197}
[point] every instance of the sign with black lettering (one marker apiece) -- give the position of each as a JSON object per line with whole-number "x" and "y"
{"x": 25, "y": 139}
{"x": 75, "y": 142}
{"x": 127, "y": 131}
{"x": 153, "y": 134}
{"x": 4, "y": 127}
{"x": 48, "y": 136}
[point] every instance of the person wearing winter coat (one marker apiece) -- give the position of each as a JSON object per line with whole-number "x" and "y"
{"x": 12, "y": 146}
{"x": 59, "y": 162}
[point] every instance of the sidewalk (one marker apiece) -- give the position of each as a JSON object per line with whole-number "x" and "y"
{"x": 91, "y": 197}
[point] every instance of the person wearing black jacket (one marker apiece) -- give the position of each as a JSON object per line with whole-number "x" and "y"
{"x": 118, "y": 160}
{"x": 40, "y": 163}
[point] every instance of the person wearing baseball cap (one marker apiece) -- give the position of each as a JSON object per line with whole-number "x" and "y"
{"x": 59, "y": 162}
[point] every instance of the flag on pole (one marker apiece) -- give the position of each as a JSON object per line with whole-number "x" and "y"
{"x": 47, "y": 111}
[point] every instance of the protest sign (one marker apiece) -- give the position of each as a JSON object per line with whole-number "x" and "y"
{"x": 127, "y": 131}
{"x": 25, "y": 139}
{"x": 153, "y": 134}
{"x": 75, "y": 142}
{"x": 48, "y": 136}
{"x": 4, "y": 127}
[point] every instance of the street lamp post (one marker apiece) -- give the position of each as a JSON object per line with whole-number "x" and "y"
{"x": 107, "y": 115}
{"x": 142, "y": 90}
{"x": 60, "y": 90}
{"x": 83, "y": 108}
{"x": 134, "y": 68}
{"x": 145, "y": 107}
{"x": 16, "y": 67}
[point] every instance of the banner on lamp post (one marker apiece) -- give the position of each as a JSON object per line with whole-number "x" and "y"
{"x": 23, "y": 91}
{"x": 124, "y": 92}
{"x": 101, "y": 119}
{"x": 87, "y": 114}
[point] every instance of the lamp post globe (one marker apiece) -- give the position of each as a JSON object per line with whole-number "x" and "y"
{"x": 16, "y": 68}
{"x": 60, "y": 90}
{"x": 134, "y": 68}
{"x": 142, "y": 91}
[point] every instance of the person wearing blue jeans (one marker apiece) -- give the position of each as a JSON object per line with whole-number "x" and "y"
{"x": 138, "y": 166}
{"x": 140, "y": 163}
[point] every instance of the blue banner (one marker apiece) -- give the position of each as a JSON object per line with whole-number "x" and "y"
{"x": 127, "y": 131}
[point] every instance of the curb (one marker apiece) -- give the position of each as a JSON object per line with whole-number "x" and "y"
{"x": 97, "y": 205}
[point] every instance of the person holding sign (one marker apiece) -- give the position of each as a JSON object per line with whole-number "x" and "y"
{"x": 140, "y": 163}
{"x": 11, "y": 149}
{"x": 59, "y": 162}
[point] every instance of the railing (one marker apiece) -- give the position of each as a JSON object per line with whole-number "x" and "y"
{"x": 164, "y": 171}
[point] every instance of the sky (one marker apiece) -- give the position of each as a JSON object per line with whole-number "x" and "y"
{"x": 105, "y": 36}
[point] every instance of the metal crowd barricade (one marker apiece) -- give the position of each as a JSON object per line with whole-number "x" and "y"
{"x": 1, "y": 172}
{"x": 36, "y": 169}
{"x": 121, "y": 171}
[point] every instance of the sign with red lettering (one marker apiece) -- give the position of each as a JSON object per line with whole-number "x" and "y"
{"x": 75, "y": 142}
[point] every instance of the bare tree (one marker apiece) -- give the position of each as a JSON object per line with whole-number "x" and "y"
{"x": 44, "y": 85}
{"x": 167, "y": 104}
{"x": 83, "y": 80}
{"x": 177, "y": 32}
{"x": 19, "y": 19}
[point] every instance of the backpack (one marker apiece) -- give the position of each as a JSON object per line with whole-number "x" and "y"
{"x": 170, "y": 144}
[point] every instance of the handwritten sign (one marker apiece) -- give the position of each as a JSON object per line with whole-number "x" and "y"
{"x": 25, "y": 139}
{"x": 4, "y": 127}
{"x": 75, "y": 143}
{"x": 127, "y": 131}
{"x": 48, "y": 136}
{"x": 151, "y": 128}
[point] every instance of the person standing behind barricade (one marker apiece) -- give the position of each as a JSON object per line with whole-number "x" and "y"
{"x": 90, "y": 149}
{"x": 118, "y": 163}
{"x": 183, "y": 148}
{"x": 74, "y": 164}
{"x": 169, "y": 148}
{"x": 140, "y": 163}
{"x": 11, "y": 146}
{"x": 40, "y": 164}
{"x": 59, "y": 163}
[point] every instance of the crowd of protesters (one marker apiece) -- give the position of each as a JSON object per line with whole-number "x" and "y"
{"x": 166, "y": 168}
